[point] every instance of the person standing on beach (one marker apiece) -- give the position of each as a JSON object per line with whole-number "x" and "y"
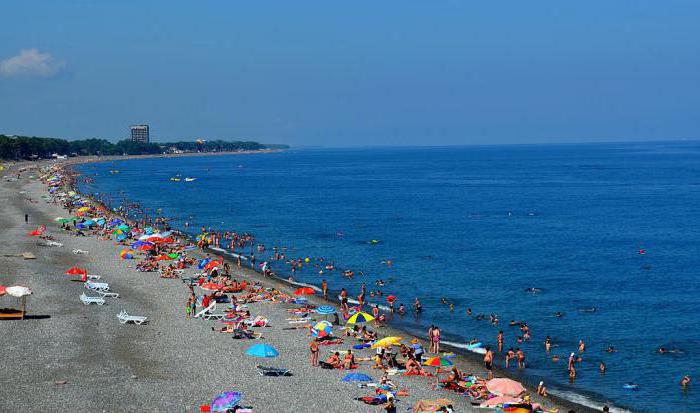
{"x": 499, "y": 338}
{"x": 26, "y": 218}
{"x": 488, "y": 362}
{"x": 313, "y": 347}
{"x": 344, "y": 297}
{"x": 430, "y": 338}
{"x": 324, "y": 289}
{"x": 436, "y": 339}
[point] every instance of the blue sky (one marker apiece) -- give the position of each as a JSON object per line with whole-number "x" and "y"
{"x": 353, "y": 73}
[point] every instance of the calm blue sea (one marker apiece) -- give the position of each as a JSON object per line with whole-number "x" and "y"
{"x": 479, "y": 225}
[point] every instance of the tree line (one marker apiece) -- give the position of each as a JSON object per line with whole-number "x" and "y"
{"x": 32, "y": 147}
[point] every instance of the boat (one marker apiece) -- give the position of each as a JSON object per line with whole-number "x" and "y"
{"x": 189, "y": 179}
{"x": 175, "y": 179}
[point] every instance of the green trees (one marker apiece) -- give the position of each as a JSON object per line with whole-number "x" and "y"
{"x": 32, "y": 147}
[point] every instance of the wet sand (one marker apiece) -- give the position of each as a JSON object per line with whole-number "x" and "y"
{"x": 169, "y": 364}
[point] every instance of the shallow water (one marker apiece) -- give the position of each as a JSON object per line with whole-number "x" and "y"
{"x": 479, "y": 225}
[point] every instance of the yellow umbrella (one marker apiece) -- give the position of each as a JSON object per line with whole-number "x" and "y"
{"x": 83, "y": 209}
{"x": 360, "y": 317}
{"x": 386, "y": 342}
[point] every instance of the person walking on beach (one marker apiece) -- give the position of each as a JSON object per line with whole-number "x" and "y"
{"x": 313, "y": 347}
{"x": 488, "y": 362}
{"x": 26, "y": 218}
{"x": 324, "y": 288}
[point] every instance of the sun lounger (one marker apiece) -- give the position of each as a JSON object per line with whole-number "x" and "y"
{"x": 80, "y": 252}
{"x": 107, "y": 294}
{"x": 90, "y": 285}
{"x": 200, "y": 314}
{"x": 272, "y": 371}
{"x": 93, "y": 277}
{"x": 87, "y": 300}
{"x": 124, "y": 318}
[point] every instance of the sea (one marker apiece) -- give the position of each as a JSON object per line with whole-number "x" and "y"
{"x": 606, "y": 235}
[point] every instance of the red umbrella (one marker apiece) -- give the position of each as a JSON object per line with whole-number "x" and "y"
{"x": 390, "y": 299}
{"x": 211, "y": 265}
{"x": 76, "y": 271}
{"x": 35, "y": 233}
{"x": 166, "y": 240}
{"x": 144, "y": 247}
{"x": 2, "y": 290}
{"x": 305, "y": 291}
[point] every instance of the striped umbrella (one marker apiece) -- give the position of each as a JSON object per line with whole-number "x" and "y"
{"x": 360, "y": 317}
{"x": 326, "y": 309}
{"x": 438, "y": 362}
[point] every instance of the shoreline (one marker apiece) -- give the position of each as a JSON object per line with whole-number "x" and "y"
{"x": 470, "y": 361}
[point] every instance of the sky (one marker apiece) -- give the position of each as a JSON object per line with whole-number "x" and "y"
{"x": 322, "y": 73}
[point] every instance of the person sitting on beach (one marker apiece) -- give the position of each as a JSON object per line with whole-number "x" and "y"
{"x": 541, "y": 389}
{"x": 414, "y": 367}
{"x": 349, "y": 360}
{"x": 379, "y": 362}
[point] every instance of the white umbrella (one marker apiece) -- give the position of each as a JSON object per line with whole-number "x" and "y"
{"x": 18, "y": 291}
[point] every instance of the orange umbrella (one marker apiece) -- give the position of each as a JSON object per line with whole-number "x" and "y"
{"x": 211, "y": 265}
{"x": 305, "y": 291}
{"x": 35, "y": 233}
{"x": 211, "y": 286}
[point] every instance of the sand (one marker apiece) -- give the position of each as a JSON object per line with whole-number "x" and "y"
{"x": 70, "y": 357}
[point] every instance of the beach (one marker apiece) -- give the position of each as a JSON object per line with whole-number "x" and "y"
{"x": 70, "y": 356}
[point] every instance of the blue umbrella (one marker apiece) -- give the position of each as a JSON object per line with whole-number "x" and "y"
{"x": 357, "y": 377}
{"x": 262, "y": 350}
{"x": 326, "y": 309}
{"x": 225, "y": 401}
{"x": 203, "y": 263}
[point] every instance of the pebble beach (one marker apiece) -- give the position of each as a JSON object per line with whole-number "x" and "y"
{"x": 67, "y": 356}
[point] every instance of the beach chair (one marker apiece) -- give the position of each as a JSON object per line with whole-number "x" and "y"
{"x": 96, "y": 286}
{"x": 272, "y": 371}
{"x": 201, "y": 313}
{"x": 80, "y": 252}
{"x": 124, "y": 318}
{"x": 107, "y": 294}
{"x": 94, "y": 277}
{"x": 87, "y": 300}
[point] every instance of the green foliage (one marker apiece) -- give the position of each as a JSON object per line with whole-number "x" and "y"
{"x": 25, "y": 147}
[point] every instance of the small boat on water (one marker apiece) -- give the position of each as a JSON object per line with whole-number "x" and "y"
{"x": 189, "y": 179}
{"x": 175, "y": 179}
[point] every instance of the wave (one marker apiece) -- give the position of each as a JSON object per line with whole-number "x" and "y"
{"x": 583, "y": 400}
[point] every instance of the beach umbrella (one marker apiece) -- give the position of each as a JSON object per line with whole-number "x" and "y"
{"x": 438, "y": 362}
{"x": 211, "y": 286}
{"x": 360, "y": 317}
{"x": 322, "y": 329}
{"x": 142, "y": 245}
{"x": 61, "y": 219}
{"x": 386, "y": 342}
{"x": 127, "y": 254}
{"x": 305, "y": 291}
{"x": 505, "y": 387}
{"x": 124, "y": 227}
{"x": 499, "y": 400}
{"x": 83, "y": 209}
{"x": 35, "y": 233}
{"x": 76, "y": 271}
{"x": 390, "y": 299}
{"x": 519, "y": 407}
{"x": 174, "y": 255}
{"x": 203, "y": 262}
{"x": 3, "y": 290}
{"x": 211, "y": 265}
{"x": 262, "y": 350}
{"x": 18, "y": 291}
{"x": 225, "y": 401}
{"x": 325, "y": 309}
{"x": 357, "y": 377}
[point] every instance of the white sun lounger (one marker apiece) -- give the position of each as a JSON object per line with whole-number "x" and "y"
{"x": 80, "y": 252}
{"x": 124, "y": 318}
{"x": 107, "y": 294}
{"x": 201, "y": 313}
{"x": 96, "y": 286}
{"x": 93, "y": 277}
{"x": 87, "y": 300}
